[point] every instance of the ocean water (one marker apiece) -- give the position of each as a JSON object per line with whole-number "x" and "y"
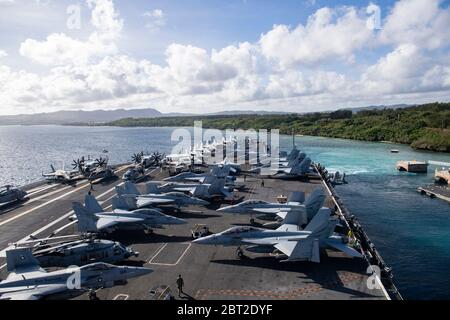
{"x": 412, "y": 232}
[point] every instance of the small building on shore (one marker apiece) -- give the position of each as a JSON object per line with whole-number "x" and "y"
{"x": 413, "y": 166}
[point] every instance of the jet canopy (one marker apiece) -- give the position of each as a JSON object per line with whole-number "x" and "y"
{"x": 240, "y": 230}
{"x": 99, "y": 266}
{"x": 254, "y": 202}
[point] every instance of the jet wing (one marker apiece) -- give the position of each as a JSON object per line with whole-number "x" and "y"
{"x": 288, "y": 227}
{"x": 303, "y": 249}
{"x": 32, "y": 293}
{"x": 262, "y": 241}
{"x": 270, "y": 210}
{"x": 338, "y": 245}
{"x": 191, "y": 190}
{"x": 148, "y": 201}
{"x": 196, "y": 179}
{"x": 108, "y": 222}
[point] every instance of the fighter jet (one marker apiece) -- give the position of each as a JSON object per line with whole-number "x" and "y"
{"x": 10, "y": 194}
{"x": 92, "y": 218}
{"x": 61, "y": 175}
{"x": 71, "y": 250}
{"x": 28, "y": 281}
{"x": 211, "y": 188}
{"x": 135, "y": 200}
{"x": 304, "y": 209}
{"x": 301, "y": 170}
{"x": 216, "y": 171}
{"x": 297, "y": 245}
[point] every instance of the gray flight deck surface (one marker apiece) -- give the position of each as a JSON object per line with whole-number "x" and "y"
{"x": 209, "y": 272}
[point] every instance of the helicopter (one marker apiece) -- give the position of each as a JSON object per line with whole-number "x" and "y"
{"x": 94, "y": 170}
{"x": 10, "y": 194}
{"x": 148, "y": 159}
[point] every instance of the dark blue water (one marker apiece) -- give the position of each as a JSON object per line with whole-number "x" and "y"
{"x": 412, "y": 232}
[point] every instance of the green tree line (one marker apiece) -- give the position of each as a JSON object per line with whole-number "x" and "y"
{"x": 424, "y": 127}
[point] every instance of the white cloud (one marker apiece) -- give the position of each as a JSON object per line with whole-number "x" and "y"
{"x": 421, "y": 22}
{"x": 284, "y": 69}
{"x": 3, "y": 54}
{"x": 328, "y": 34}
{"x": 405, "y": 70}
{"x": 157, "y": 19}
{"x": 59, "y": 49}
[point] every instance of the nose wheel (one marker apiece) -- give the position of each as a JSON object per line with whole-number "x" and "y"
{"x": 239, "y": 253}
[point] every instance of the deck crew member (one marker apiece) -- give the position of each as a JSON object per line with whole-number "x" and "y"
{"x": 180, "y": 284}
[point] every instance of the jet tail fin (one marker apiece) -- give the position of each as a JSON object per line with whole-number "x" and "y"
{"x": 201, "y": 191}
{"x": 92, "y": 204}
{"x": 20, "y": 258}
{"x": 211, "y": 180}
{"x": 152, "y": 187}
{"x": 314, "y": 202}
{"x": 87, "y": 221}
{"x": 302, "y": 167}
{"x": 319, "y": 222}
{"x": 124, "y": 202}
{"x": 294, "y": 217}
{"x": 297, "y": 196}
{"x": 130, "y": 188}
{"x": 120, "y": 190}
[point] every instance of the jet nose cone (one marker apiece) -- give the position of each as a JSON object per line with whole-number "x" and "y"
{"x": 202, "y": 202}
{"x": 205, "y": 240}
{"x": 140, "y": 271}
{"x": 179, "y": 221}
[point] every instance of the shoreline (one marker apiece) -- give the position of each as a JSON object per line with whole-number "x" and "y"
{"x": 81, "y": 125}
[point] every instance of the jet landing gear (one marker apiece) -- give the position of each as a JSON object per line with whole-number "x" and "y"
{"x": 240, "y": 253}
{"x": 148, "y": 231}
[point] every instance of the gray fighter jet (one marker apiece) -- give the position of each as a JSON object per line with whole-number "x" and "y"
{"x": 61, "y": 175}
{"x": 216, "y": 171}
{"x": 297, "y": 245}
{"x": 10, "y": 194}
{"x": 301, "y": 170}
{"x": 135, "y": 200}
{"x": 28, "y": 281}
{"x": 72, "y": 250}
{"x": 211, "y": 188}
{"x": 92, "y": 218}
{"x": 305, "y": 210}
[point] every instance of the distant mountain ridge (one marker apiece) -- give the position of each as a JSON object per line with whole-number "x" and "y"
{"x": 103, "y": 116}
{"x": 77, "y": 116}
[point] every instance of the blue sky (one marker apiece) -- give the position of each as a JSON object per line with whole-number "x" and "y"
{"x": 180, "y": 55}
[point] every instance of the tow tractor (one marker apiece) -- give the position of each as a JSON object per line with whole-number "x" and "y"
{"x": 199, "y": 231}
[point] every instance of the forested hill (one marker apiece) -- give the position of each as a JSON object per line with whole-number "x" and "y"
{"x": 424, "y": 127}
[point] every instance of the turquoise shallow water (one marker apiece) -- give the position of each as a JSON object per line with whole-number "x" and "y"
{"x": 412, "y": 232}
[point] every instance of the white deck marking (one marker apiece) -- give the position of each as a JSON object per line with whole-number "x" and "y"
{"x": 170, "y": 264}
{"x": 157, "y": 252}
{"x": 51, "y": 201}
{"x": 48, "y": 194}
{"x": 121, "y": 296}
{"x": 42, "y": 205}
{"x": 58, "y": 220}
{"x": 69, "y": 214}
{"x": 40, "y": 189}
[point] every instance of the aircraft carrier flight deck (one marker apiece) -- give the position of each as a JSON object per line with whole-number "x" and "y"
{"x": 209, "y": 272}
